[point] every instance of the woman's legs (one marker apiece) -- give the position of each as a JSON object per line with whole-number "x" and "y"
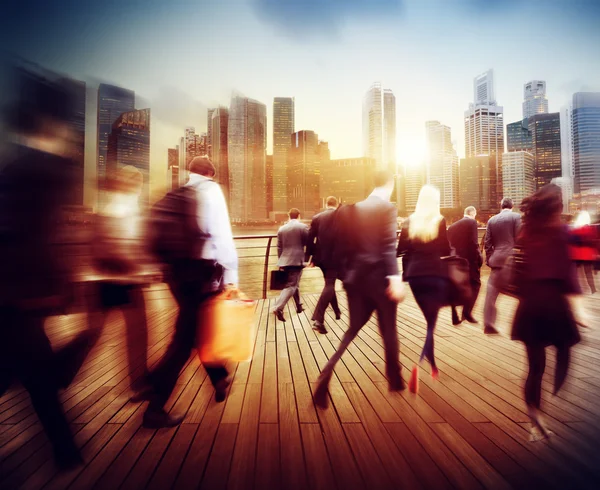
{"x": 563, "y": 357}
{"x": 588, "y": 268}
{"x": 536, "y": 355}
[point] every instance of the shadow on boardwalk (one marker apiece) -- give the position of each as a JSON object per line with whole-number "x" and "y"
{"x": 467, "y": 430}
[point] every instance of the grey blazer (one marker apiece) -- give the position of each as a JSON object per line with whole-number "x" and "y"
{"x": 500, "y": 237}
{"x": 291, "y": 240}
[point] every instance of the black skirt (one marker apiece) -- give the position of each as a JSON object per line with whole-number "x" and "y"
{"x": 544, "y": 316}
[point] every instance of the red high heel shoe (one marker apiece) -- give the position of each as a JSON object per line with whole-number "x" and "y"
{"x": 413, "y": 383}
{"x": 435, "y": 373}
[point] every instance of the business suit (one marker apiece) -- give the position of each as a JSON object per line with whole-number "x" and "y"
{"x": 320, "y": 248}
{"x": 500, "y": 237}
{"x": 366, "y": 257}
{"x": 292, "y": 239}
{"x": 464, "y": 243}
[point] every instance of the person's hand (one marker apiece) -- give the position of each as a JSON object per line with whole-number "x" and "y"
{"x": 310, "y": 265}
{"x": 395, "y": 290}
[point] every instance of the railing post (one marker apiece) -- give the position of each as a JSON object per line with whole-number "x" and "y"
{"x": 266, "y": 272}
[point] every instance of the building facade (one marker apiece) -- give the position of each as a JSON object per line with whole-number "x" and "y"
{"x": 518, "y": 175}
{"x": 478, "y": 185}
{"x": 546, "y": 147}
{"x": 350, "y": 180}
{"x": 415, "y": 177}
{"x": 209, "y": 143}
{"x": 585, "y": 127}
{"x": 219, "y": 124}
{"x": 112, "y": 102}
{"x": 173, "y": 168}
{"x": 269, "y": 171}
{"x": 373, "y": 124}
{"x": 442, "y": 163}
{"x": 534, "y": 98}
{"x": 247, "y": 142}
{"x": 518, "y": 136}
{"x": 129, "y": 144}
{"x": 304, "y": 173}
{"x": 76, "y": 120}
{"x": 283, "y": 128}
{"x": 389, "y": 131}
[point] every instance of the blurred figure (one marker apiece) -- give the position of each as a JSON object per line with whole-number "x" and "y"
{"x": 583, "y": 249}
{"x": 202, "y": 270}
{"x": 544, "y": 317}
{"x": 423, "y": 242}
{"x": 292, "y": 238}
{"x": 500, "y": 237}
{"x": 319, "y": 252}
{"x": 366, "y": 260}
{"x": 122, "y": 267}
{"x": 464, "y": 242}
{"x": 34, "y": 281}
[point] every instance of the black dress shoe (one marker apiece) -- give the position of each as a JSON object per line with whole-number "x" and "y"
{"x": 397, "y": 385}
{"x": 338, "y": 316}
{"x": 319, "y": 327}
{"x": 221, "y": 390}
{"x": 455, "y": 320}
{"x": 279, "y": 315}
{"x": 321, "y": 398}
{"x": 68, "y": 460}
{"x": 159, "y": 419}
{"x": 470, "y": 319}
{"x": 490, "y": 331}
{"x": 300, "y": 309}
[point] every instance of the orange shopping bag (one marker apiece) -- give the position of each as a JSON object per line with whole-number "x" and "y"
{"x": 227, "y": 328}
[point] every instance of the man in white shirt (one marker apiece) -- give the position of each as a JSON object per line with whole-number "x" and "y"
{"x": 192, "y": 282}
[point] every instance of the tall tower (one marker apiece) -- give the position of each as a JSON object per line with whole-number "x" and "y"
{"x": 283, "y": 127}
{"x": 389, "y": 130}
{"x": 442, "y": 163}
{"x": 585, "y": 127}
{"x": 173, "y": 168}
{"x": 219, "y": 123}
{"x": 304, "y": 170}
{"x": 546, "y": 146}
{"x": 484, "y": 126}
{"x": 209, "y": 143}
{"x": 112, "y": 102}
{"x": 534, "y": 98}
{"x": 373, "y": 125}
{"x": 247, "y": 142}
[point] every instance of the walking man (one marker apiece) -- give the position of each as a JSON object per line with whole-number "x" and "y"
{"x": 464, "y": 242}
{"x": 320, "y": 248}
{"x": 500, "y": 237}
{"x": 369, "y": 270}
{"x": 292, "y": 239}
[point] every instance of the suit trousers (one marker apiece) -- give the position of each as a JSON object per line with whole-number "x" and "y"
{"x": 361, "y": 304}
{"x": 292, "y": 288}
{"x": 470, "y": 304}
{"x": 328, "y": 296}
{"x": 491, "y": 296}
{"x": 190, "y": 295}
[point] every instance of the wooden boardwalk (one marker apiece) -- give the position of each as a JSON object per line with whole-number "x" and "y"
{"x": 467, "y": 430}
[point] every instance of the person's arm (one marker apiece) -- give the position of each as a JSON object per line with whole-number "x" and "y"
{"x": 474, "y": 243}
{"x": 313, "y": 233}
{"x": 279, "y": 243}
{"x": 390, "y": 225}
{"x": 443, "y": 239}
{"x": 224, "y": 245}
{"x": 403, "y": 242}
{"x": 489, "y": 247}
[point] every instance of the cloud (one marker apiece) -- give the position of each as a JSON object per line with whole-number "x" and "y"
{"x": 322, "y": 18}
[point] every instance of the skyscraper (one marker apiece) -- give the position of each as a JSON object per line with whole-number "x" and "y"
{"x": 519, "y": 136}
{"x": 219, "y": 123}
{"x": 518, "y": 175}
{"x": 478, "y": 185}
{"x": 209, "y": 143}
{"x": 283, "y": 127}
{"x": 269, "y": 179}
{"x": 585, "y": 121}
{"x": 129, "y": 144}
{"x": 534, "y": 98}
{"x": 112, "y": 102}
{"x": 173, "y": 168}
{"x": 348, "y": 179}
{"x": 484, "y": 127}
{"x": 389, "y": 130}
{"x": 415, "y": 177}
{"x": 545, "y": 146}
{"x": 246, "y": 154}
{"x": 304, "y": 167}
{"x": 442, "y": 163}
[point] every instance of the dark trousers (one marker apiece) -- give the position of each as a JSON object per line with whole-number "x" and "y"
{"x": 361, "y": 304}
{"x": 430, "y": 294}
{"x": 291, "y": 290}
{"x": 536, "y": 356}
{"x": 129, "y": 298}
{"x": 470, "y": 304}
{"x": 328, "y": 296}
{"x": 190, "y": 295}
{"x": 26, "y": 354}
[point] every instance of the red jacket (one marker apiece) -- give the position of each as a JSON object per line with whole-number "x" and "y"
{"x": 583, "y": 244}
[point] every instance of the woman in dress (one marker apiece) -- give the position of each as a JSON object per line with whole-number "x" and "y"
{"x": 544, "y": 317}
{"x": 423, "y": 241}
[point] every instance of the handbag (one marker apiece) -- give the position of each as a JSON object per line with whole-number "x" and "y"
{"x": 458, "y": 272}
{"x": 278, "y": 279}
{"x": 509, "y": 280}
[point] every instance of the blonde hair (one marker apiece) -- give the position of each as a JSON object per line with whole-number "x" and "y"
{"x": 583, "y": 219}
{"x": 425, "y": 221}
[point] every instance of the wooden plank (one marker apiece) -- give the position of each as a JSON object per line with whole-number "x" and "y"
{"x": 217, "y": 470}
{"x": 293, "y": 470}
{"x": 318, "y": 466}
{"x": 268, "y": 463}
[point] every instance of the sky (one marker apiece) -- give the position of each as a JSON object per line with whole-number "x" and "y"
{"x": 182, "y": 56}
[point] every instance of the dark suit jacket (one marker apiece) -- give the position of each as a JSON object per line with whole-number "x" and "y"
{"x": 500, "y": 237}
{"x": 463, "y": 240}
{"x": 365, "y": 243}
{"x": 291, "y": 240}
{"x": 320, "y": 239}
{"x": 421, "y": 259}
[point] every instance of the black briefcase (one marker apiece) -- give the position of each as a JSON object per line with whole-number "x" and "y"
{"x": 278, "y": 280}
{"x": 458, "y": 274}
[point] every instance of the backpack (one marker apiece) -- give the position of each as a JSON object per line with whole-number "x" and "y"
{"x": 174, "y": 231}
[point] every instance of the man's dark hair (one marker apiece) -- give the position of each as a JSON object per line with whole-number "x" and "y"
{"x": 332, "y": 202}
{"x": 203, "y": 166}
{"x": 507, "y": 203}
{"x": 294, "y": 213}
{"x": 381, "y": 178}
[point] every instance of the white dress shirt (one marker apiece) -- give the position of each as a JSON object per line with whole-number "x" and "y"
{"x": 213, "y": 218}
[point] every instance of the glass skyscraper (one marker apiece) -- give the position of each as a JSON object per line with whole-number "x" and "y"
{"x": 545, "y": 146}
{"x": 534, "y": 98}
{"x": 442, "y": 163}
{"x": 219, "y": 123}
{"x": 283, "y": 127}
{"x": 585, "y": 127}
{"x": 379, "y": 127}
{"x": 518, "y": 136}
{"x": 304, "y": 170}
{"x": 112, "y": 102}
{"x": 478, "y": 184}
